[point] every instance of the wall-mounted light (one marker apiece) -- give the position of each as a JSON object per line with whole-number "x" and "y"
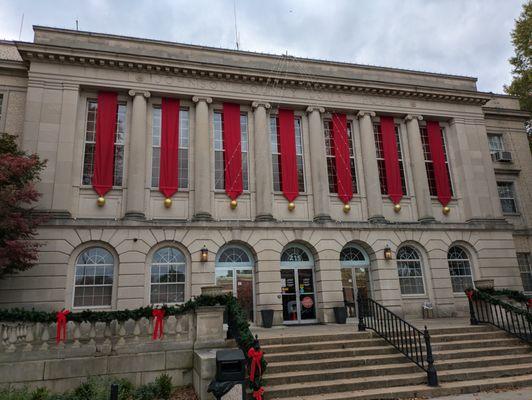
{"x": 387, "y": 253}
{"x": 204, "y": 254}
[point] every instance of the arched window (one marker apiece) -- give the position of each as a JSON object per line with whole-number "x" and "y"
{"x": 93, "y": 285}
{"x": 168, "y": 274}
{"x": 295, "y": 254}
{"x": 460, "y": 269}
{"x": 410, "y": 271}
{"x": 232, "y": 255}
{"x": 352, "y": 256}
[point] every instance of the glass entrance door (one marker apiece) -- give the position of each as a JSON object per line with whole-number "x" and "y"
{"x": 298, "y": 296}
{"x": 355, "y": 280}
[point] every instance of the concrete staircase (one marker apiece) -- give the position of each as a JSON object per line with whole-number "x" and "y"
{"x": 361, "y": 365}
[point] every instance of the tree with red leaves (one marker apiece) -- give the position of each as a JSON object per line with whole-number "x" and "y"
{"x": 18, "y": 173}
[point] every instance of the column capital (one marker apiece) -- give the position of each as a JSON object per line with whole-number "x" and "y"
{"x": 144, "y": 93}
{"x": 363, "y": 113}
{"x": 257, "y": 104}
{"x": 319, "y": 109}
{"x": 410, "y": 117}
{"x": 206, "y": 99}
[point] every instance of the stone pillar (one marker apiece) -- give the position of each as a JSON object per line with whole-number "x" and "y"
{"x": 417, "y": 166}
{"x": 136, "y": 166}
{"x": 263, "y": 163}
{"x": 318, "y": 165}
{"x": 202, "y": 157}
{"x": 371, "y": 169}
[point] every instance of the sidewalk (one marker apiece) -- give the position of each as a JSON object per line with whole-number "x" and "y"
{"x": 519, "y": 394}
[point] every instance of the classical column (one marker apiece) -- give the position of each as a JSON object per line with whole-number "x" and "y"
{"x": 318, "y": 165}
{"x": 202, "y": 157}
{"x": 263, "y": 163}
{"x": 371, "y": 169}
{"x": 136, "y": 166}
{"x": 417, "y": 165}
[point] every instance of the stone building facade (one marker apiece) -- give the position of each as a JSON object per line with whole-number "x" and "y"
{"x": 300, "y": 262}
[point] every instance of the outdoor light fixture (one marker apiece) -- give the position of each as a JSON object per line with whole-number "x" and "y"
{"x": 204, "y": 254}
{"x": 387, "y": 253}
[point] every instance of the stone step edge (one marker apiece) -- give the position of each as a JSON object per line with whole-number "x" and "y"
{"x": 445, "y": 389}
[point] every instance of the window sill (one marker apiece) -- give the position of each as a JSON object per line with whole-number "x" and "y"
{"x": 517, "y": 214}
{"x": 156, "y": 190}
{"x": 99, "y": 308}
{"x": 414, "y": 296}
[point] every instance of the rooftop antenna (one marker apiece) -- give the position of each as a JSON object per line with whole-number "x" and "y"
{"x": 77, "y": 25}
{"x": 21, "y": 25}
{"x": 236, "y": 27}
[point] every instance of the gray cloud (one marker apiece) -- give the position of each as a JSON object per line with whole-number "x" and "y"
{"x": 465, "y": 37}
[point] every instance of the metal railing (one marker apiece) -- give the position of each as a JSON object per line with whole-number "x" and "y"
{"x": 486, "y": 309}
{"x": 406, "y": 338}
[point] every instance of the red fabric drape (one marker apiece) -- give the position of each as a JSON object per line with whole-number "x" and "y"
{"x": 61, "y": 326}
{"x": 104, "y": 155}
{"x": 441, "y": 175}
{"x": 288, "y": 154}
{"x": 158, "y": 323}
{"x": 168, "y": 179}
{"x": 233, "y": 150}
{"x": 391, "y": 160}
{"x": 341, "y": 152}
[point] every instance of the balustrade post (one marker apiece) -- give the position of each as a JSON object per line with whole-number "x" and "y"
{"x": 361, "y": 324}
{"x": 472, "y": 316}
{"x": 432, "y": 375}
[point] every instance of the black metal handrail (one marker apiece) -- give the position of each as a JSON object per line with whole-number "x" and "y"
{"x": 486, "y": 309}
{"x": 406, "y": 338}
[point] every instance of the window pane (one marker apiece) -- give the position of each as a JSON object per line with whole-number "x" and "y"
{"x": 495, "y": 143}
{"x": 507, "y": 197}
{"x": 168, "y": 274}
{"x": 93, "y": 283}
{"x": 525, "y": 268}
{"x": 410, "y": 271}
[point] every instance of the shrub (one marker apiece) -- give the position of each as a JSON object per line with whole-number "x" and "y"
{"x": 164, "y": 386}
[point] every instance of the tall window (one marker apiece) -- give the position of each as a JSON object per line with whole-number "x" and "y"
{"x": 507, "y": 197}
{"x": 429, "y": 164}
{"x": 525, "y": 267}
{"x": 410, "y": 271}
{"x": 168, "y": 273}
{"x": 182, "y": 155}
{"x": 331, "y": 156}
{"x": 276, "y": 154}
{"x": 380, "y": 158}
{"x": 219, "y": 152}
{"x": 93, "y": 285}
{"x": 460, "y": 269}
{"x": 90, "y": 143}
{"x": 495, "y": 143}
{"x": 1, "y": 105}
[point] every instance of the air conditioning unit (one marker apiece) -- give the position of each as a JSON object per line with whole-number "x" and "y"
{"x": 502, "y": 156}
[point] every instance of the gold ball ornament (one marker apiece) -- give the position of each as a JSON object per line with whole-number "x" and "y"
{"x": 347, "y": 208}
{"x": 233, "y": 204}
{"x": 446, "y": 210}
{"x": 397, "y": 208}
{"x": 100, "y": 201}
{"x": 291, "y": 206}
{"x": 168, "y": 202}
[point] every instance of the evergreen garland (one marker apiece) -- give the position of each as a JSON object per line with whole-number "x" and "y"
{"x": 515, "y": 295}
{"x": 483, "y": 295}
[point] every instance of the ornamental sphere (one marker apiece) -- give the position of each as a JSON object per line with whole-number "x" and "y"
{"x": 291, "y": 206}
{"x": 446, "y": 210}
{"x": 233, "y": 204}
{"x": 347, "y": 208}
{"x": 100, "y": 201}
{"x": 168, "y": 202}
{"x": 397, "y": 208}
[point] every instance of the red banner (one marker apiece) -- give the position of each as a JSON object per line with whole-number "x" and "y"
{"x": 158, "y": 323}
{"x": 233, "y": 150}
{"x": 441, "y": 175}
{"x": 391, "y": 160}
{"x": 287, "y": 143}
{"x": 341, "y": 152}
{"x": 104, "y": 154}
{"x": 168, "y": 179}
{"x": 61, "y": 326}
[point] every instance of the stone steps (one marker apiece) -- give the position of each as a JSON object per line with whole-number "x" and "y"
{"x": 365, "y": 366}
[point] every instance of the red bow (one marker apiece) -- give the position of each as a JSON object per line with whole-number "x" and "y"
{"x": 256, "y": 357}
{"x": 61, "y": 325}
{"x": 529, "y": 303}
{"x": 469, "y": 294}
{"x": 257, "y": 394}
{"x": 158, "y": 316}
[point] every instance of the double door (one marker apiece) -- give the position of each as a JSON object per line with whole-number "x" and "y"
{"x": 355, "y": 280}
{"x": 239, "y": 282}
{"x": 298, "y": 295}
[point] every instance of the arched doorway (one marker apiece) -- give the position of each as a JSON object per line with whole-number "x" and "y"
{"x": 234, "y": 274}
{"x": 298, "y": 290}
{"x": 355, "y": 276}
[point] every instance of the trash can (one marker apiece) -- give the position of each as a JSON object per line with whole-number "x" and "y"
{"x": 230, "y": 365}
{"x": 267, "y": 318}
{"x": 340, "y": 315}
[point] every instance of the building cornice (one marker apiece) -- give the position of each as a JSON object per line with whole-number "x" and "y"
{"x": 31, "y": 52}
{"x": 506, "y": 113}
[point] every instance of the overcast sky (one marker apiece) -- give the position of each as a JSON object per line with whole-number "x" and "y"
{"x": 464, "y": 37}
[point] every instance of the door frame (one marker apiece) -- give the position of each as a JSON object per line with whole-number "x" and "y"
{"x": 352, "y": 264}
{"x": 295, "y": 266}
